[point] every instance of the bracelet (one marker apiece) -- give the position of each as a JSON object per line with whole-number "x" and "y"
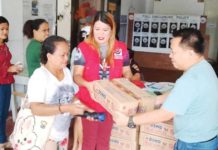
{"x": 59, "y": 108}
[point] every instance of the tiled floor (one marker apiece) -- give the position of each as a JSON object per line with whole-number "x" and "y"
{"x": 10, "y": 126}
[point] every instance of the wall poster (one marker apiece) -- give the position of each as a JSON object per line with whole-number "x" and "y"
{"x": 152, "y": 33}
{"x": 34, "y": 9}
{"x": 46, "y": 9}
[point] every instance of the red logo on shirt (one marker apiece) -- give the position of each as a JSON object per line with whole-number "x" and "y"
{"x": 118, "y": 54}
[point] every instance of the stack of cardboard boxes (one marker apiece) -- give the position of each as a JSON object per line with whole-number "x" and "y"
{"x": 124, "y": 138}
{"x": 158, "y": 136}
{"x": 122, "y": 95}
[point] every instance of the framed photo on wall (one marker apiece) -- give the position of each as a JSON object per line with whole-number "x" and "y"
{"x": 152, "y": 32}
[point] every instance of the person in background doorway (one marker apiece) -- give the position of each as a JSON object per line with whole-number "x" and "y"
{"x": 7, "y": 70}
{"x": 193, "y": 102}
{"x": 37, "y": 30}
{"x": 99, "y": 57}
{"x": 134, "y": 67}
{"x": 82, "y": 36}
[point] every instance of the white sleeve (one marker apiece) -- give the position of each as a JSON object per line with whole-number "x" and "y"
{"x": 37, "y": 86}
{"x": 73, "y": 56}
{"x": 75, "y": 86}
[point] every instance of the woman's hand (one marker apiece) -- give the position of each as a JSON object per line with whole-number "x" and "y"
{"x": 75, "y": 108}
{"x": 17, "y": 68}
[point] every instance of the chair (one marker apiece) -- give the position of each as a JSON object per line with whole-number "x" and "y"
{"x": 19, "y": 80}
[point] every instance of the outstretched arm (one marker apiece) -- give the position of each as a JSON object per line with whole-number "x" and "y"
{"x": 155, "y": 116}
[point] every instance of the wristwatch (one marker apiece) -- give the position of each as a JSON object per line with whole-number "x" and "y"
{"x": 131, "y": 124}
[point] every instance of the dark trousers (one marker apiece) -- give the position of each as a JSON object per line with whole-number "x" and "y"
{"x": 96, "y": 135}
{"x": 5, "y": 97}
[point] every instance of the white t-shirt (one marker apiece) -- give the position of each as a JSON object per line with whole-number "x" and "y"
{"x": 44, "y": 87}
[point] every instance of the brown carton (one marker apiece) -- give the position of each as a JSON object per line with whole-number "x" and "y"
{"x": 121, "y": 144}
{"x": 122, "y": 95}
{"x": 164, "y": 129}
{"x": 112, "y": 97}
{"x": 152, "y": 142}
{"x": 147, "y": 100}
{"x": 125, "y": 133}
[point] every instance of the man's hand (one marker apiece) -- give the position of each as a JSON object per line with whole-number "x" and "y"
{"x": 120, "y": 118}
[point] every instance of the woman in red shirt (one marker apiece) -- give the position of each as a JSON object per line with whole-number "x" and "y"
{"x": 99, "y": 57}
{"x": 6, "y": 79}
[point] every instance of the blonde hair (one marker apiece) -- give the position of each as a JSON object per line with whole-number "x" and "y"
{"x": 108, "y": 19}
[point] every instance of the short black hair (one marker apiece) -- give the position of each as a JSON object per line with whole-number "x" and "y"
{"x": 191, "y": 38}
{"x": 4, "y": 20}
{"x": 48, "y": 46}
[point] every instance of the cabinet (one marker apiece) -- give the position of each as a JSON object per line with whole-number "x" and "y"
{"x": 156, "y": 67}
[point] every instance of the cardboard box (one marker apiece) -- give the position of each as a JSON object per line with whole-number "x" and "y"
{"x": 121, "y": 144}
{"x": 146, "y": 105}
{"x": 164, "y": 129}
{"x": 122, "y": 95}
{"x": 146, "y": 99}
{"x": 125, "y": 133}
{"x": 152, "y": 142}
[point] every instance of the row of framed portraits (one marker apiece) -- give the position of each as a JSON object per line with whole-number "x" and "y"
{"x": 152, "y": 33}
